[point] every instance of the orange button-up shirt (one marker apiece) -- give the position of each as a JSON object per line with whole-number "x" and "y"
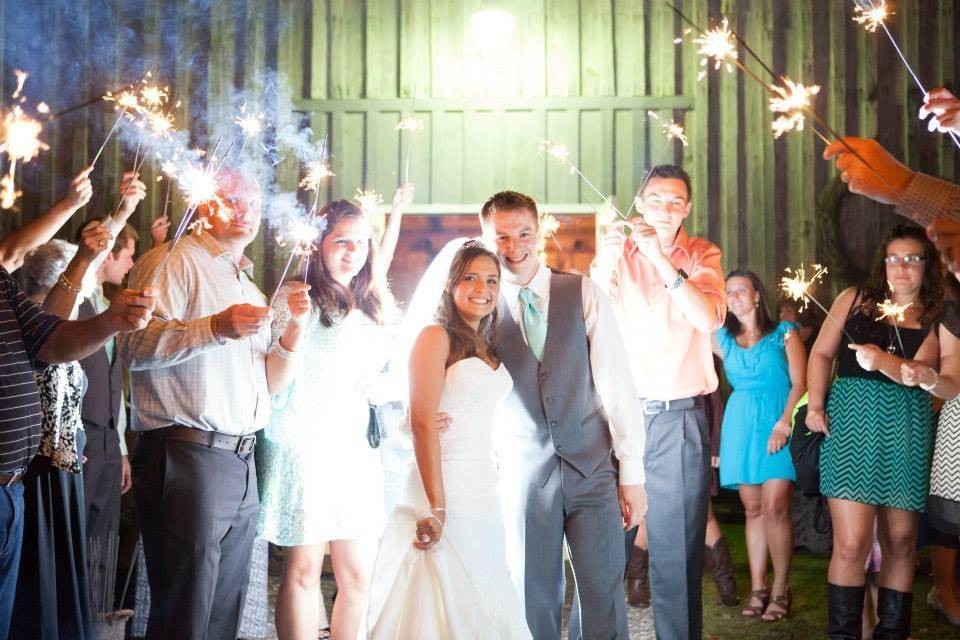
{"x": 670, "y": 358}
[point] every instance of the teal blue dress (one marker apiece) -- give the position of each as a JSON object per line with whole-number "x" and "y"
{"x": 760, "y": 377}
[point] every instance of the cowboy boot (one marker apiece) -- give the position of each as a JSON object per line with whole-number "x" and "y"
{"x": 844, "y": 609}
{"x": 893, "y": 614}
{"x": 638, "y": 588}
{"x": 718, "y": 561}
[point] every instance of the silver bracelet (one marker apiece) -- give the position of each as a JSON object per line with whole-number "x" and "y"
{"x": 676, "y": 284}
{"x": 285, "y": 353}
{"x": 936, "y": 381}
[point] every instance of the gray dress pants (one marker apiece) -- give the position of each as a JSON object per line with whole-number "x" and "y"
{"x": 677, "y": 463}
{"x": 198, "y": 508}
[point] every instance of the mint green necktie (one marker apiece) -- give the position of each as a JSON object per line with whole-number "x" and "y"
{"x": 534, "y": 324}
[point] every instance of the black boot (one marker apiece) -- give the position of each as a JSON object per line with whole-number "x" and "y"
{"x": 844, "y": 610}
{"x": 718, "y": 561}
{"x": 638, "y": 587}
{"x": 893, "y": 614}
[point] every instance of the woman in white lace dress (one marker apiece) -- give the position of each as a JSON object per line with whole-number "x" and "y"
{"x": 442, "y": 571}
{"x": 321, "y": 479}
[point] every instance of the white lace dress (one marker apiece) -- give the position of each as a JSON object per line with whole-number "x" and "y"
{"x": 461, "y": 588}
{"x": 320, "y": 479}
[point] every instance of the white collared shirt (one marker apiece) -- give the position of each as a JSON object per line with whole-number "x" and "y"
{"x": 608, "y": 361}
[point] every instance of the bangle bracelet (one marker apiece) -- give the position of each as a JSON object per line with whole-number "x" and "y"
{"x": 215, "y": 328}
{"x": 66, "y": 285}
{"x": 286, "y": 354}
{"x": 936, "y": 381}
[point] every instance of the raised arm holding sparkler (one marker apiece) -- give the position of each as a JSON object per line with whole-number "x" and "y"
{"x": 41, "y": 229}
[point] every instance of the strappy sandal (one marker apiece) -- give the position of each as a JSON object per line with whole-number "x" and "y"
{"x": 776, "y": 615}
{"x": 754, "y": 610}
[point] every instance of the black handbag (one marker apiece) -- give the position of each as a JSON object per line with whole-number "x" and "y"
{"x": 805, "y": 452}
{"x": 373, "y": 428}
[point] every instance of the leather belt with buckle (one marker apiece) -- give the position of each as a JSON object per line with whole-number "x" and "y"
{"x": 653, "y": 407}
{"x": 241, "y": 445}
{"x": 10, "y": 479}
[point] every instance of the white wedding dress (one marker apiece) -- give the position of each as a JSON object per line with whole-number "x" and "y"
{"x": 461, "y": 587}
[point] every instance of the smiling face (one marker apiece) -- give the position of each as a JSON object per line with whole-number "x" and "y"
{"x": 665, "y": 204}
{"x": 903, "y": 269}
{"x": 475, "y": 294}
{"x": 345, "y": 249}
{"x": 742, "y": 298}
{"x": 512, "y": 235}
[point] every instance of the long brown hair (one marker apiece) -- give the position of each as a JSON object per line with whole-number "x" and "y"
{"x": 765, "y": 321}
{"x": 464, "y": 341}
{"x": 930, "y": 298}
{"x": 366, "y": 291}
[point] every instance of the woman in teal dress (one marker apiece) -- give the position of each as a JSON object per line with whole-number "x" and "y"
{"x": 765, "y": 363}
{"x": 875, "y": 459}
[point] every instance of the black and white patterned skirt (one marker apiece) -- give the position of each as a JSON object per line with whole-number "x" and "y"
{"x": 943, "y": 504}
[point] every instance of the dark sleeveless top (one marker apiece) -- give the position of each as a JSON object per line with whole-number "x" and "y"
{"x": 866, "y": 330}
{"x": 950, "y": 317}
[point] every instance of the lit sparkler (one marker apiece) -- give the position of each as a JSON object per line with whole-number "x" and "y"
{"x": 790, "y": 101}
{"x": 547, "y": 229}
{"x": 21, "y": 79}
{"x": 20, "y": 140}
{"x": 719, "y": 46}
{"x": 670, "y": 129}
{"x": 316, "y": 172}
{"x": 797, "y": 287}
{"x": 873, "y": 17}
{"x": 409, "y": 124}
{"x": 896, "y": 312}
{"x": 369, "y": 200}
{"x": 301, "y": 236}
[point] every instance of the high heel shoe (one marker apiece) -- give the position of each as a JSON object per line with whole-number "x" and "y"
{"x": 934, "y": 601}
{"x": 783, "y": 608}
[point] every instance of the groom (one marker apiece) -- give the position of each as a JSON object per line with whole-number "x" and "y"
{"x": 573, "y": 405}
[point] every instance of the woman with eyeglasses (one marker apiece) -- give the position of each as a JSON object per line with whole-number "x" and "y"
{"x": 875, "y": 459}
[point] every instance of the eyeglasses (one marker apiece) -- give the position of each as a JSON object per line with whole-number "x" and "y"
{"x": 907, "y": 260}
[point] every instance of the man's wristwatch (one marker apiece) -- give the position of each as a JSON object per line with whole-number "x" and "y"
{"x": 676, "y": 284}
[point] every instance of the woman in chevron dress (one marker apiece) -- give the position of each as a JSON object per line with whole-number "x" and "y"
{"x": 875, "y": 460}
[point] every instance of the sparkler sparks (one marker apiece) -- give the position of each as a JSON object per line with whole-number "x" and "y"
{"x": 410, "y": 123}
{"x": 790, "y": 101}
{"x": 20, "y": 138}
{"x": 316, "y": 172}
{"x": 719, "y": 45}
{"x": 890, "y": 309}
{"x": 797, "y": 286}
{"x": 558, "y": 151}
{"x": 300, "y": 235}
{"x": 369, "y": 200}
{"x": 8, "y": 192}
{"x": 671, "y": 129}
{"x": 250, "y": 123}
{"x": 872, "y": 17}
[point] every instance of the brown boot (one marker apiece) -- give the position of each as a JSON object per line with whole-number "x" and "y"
{"x": 717, "y": 560}
{"x": 638, "y": 588}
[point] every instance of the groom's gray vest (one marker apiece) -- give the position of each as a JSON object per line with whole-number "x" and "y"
{"x": 554, "y": 408}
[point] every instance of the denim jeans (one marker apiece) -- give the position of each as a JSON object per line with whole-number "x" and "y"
{"x": 11, "y": 538}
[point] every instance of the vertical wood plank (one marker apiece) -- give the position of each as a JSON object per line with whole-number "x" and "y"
{"x": 447, "y": 43}
{"x": 728, "y": 138}
{"x": 562, "y": 126}
{"x": 946, "y": 77}
{"x": 382, "y": 78}
{"x": 523, "y": 131}
{"x": 482, "y": 159}
{"x": 529, "y": 35}
{"x": 448, "y": 153}
{"x": 563, "y": 47}
{"x": 347, "y": 66}
{"x": 596, "y": 48}
{"x": 414, "y": 50}
{"x": 630, "y": 48}
{"x": 662, "y": 51}
{"x": 319, "y": 50}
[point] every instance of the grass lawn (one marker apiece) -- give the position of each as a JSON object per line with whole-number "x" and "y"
{"x": 809, "y": 585}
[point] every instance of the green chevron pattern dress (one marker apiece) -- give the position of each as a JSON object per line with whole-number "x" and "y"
{"x": 881, "y": 433}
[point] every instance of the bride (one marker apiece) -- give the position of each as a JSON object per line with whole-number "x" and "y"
{"x": 441, "y": 571}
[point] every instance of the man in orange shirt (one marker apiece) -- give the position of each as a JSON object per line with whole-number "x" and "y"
{"x": 668, "y": 287}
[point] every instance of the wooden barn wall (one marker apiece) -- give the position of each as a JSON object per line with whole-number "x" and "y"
{"x": 584, "y": 72}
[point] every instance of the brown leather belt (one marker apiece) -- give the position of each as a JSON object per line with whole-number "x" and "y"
{"x": 11, "y": 479}
{"x": 241, "y": 445}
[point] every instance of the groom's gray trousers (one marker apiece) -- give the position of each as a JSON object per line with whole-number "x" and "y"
{"x": 677, "y": 464}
